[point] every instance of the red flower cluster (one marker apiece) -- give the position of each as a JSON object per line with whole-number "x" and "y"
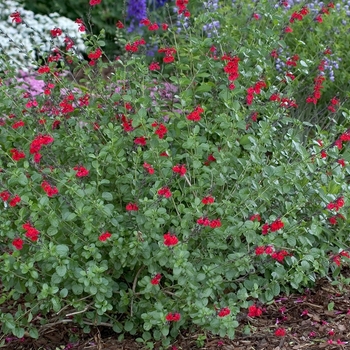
{"x": 148, "y": 168}
{"x": 18, "y": 243}
{"x": 169, "y": 54}
{"x": 337, "y": 258}
{"x": 15, "y": 200}
{"x": 156, "y": 279}
{"x": 204, "y": 221}
{"x": 140, "y": 141}
{"x": 151, "y": 26}
{"x": 104, "y": 236}
{"x": 94, "y": 2}
{"x": 165, "y": 192}
{"x": 173, "y": 317}
{"x": 81, "y": 25}
{"x": 5, "y": 196}
{"x": 134, "y": 47}
{"x": 16, "y": 17}
{"x": 280, "y": 332}
{"x": 231, "y": 67}
{"x": 337, "y": 204}
{"x": 180, "y": 169}
{"x": 256, "y": 89}
{"x": 208, "y": 200}
{"x": 275, "y": 226}
{"x": 38, "y": 142}
{"x": 317, "y": 88}
{"x": 56, "y": 32}
{"x": 18, "y": 124}
{"x": 154, "y": 66}
{"x": 181, "y": 5}
{"x": 170, "y": 240}
{"x": 254, "y": 311}
{"x": 132, "y": 207}
{"x": 17, "y": 155}
{"x": 81, "y": 171}
{"x": 225, "y": 311}
{"x": 32, "y": 233}
{"x": 195, "y": 115}
{"x": 256, "y": 217}
{"x": 333, "y": 219}
{"x": 267, "y": 250}
{"x": 299, "y": 15}
{"x": 209, "y": 160}
{"x": 280, "y": 255}
{"x": 44, "y": 69}
{"x": 119, "y": 25}
{"x": 50, "y": 191}
{"x": 161, "y": 129}
{"x": 334, "y": 102}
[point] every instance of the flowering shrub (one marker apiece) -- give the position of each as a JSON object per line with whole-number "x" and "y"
{"x": 150, "y": 210}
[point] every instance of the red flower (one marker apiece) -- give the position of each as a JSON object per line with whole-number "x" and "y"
{"x": 44, "y": 69}
{"x": 341, "y": 162}
{"x": 180, "y": 169}
{"x": 165, "y": 192}
{"x": 94, "y": 2}
{"x": 323, "y": 154}
{"x": 132, "y": 207}
{"x": 208, "y": 200}
{"x": 170, "y": 240}
{"x": 165, "y": 26}
{"x": 319, "y": 19}
{"x": 119, "y": 25}
{"x": 279, "y": 256}
{"x": 5, "y": 195}
{"x": 269, "y": 250}
{"x": 18, "y": 124}
{"x": 156, "y": 279}
{"x": 254, "y": 311}
{"x": 50, "y": 191}
{"x": 16, "y": 17}
{"x": 225, "y": 311}
{"x": 215, "y": 223}
{"x": 17, "y": 155}
{"x": 195, "y": 115}
{"x": 265, "y": 229}
{"x": 18, "y": 243}
{"x": 164, "y": 154}
{"x": 255, "y": 217}
{"x": 259, "y": 250}
{"x": 56, "y": 32}
{"x": 140, "y": 141}
{"x": 32, "y": 233}
{"x": 333, "y": 220}
{"x": 280, "y": 332}
{"x": 173, "y": 317}
{"x": 149, "y": 168}
{"x": 203, "y": 221}
{"x": 81, "y": 171}
{"x": 37, "y": 157}
{"x": 153, "y": 27}
{"x": 154, "y": 66}
{"x": 288, "y": 30}
{"x": 16, "y": 199}
{"x": 104, "y": 236}
{"x": 161, "y": 129}
{"x": 276, "y": 225}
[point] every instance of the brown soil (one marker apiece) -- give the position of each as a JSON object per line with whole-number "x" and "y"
{"x": 318, "y": 319}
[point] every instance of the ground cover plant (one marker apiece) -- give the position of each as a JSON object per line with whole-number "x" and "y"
{"x": 183, "y": 189}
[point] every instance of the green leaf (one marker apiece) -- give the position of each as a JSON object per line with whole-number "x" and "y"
{"x": 128, "y": 326}
{"x": 107, "y": 196}
{"x": 62, "y": 250}
{"x": 61, "y": 270}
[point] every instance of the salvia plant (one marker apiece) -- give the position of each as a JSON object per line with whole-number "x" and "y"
{"x": 177, "y": 192}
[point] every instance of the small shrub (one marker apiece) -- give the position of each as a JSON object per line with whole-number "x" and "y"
{"x": 174, "y": 193}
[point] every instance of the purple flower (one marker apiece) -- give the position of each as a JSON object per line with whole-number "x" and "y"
{"x": 137, "y": 10}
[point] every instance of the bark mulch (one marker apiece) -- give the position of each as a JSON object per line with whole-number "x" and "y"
{"x": 316, "y": 320}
